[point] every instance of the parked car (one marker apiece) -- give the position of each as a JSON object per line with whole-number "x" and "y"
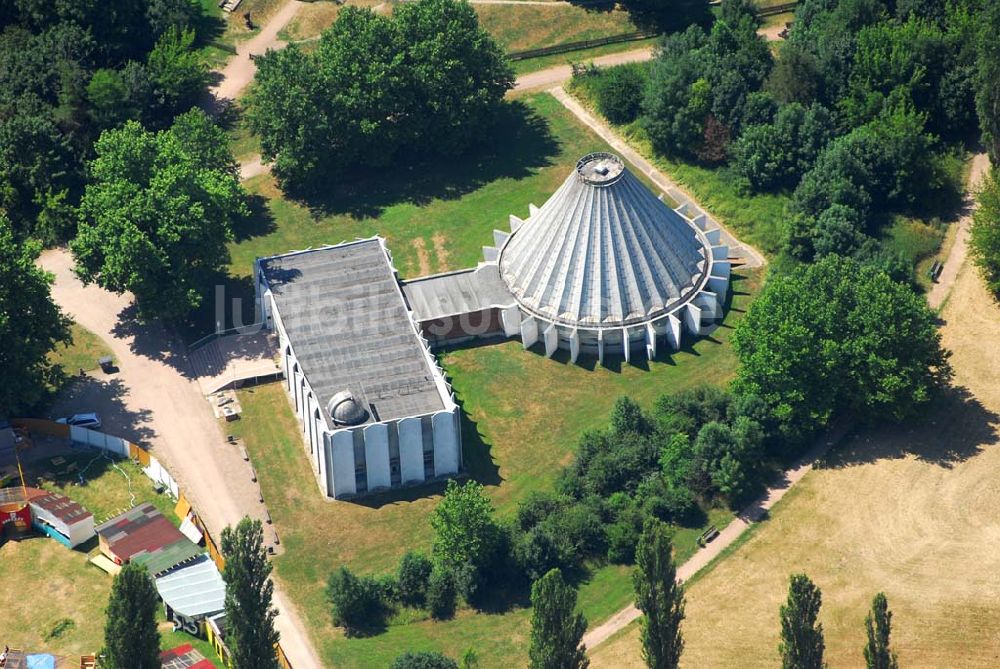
{"x": 91, "y": 421}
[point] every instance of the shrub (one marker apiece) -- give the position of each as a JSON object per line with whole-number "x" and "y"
{"x": 441, "y": 593}
{"x": 425, "y": 660}
{"x": 357, "y": 602}
{"x": 411, "y": 581}
{"x": 619, "y": 92}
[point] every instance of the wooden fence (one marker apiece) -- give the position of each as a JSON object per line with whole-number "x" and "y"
{"x": 577, "y": 46}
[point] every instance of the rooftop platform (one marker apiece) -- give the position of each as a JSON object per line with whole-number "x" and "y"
{"x": 344, "y": 314}
{"x": 463, "y": 292}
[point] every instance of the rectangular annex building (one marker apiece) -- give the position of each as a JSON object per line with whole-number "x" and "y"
{"x": 375, "y": 409}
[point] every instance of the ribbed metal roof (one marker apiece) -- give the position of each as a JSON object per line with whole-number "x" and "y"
{"x": 603, "y": 251}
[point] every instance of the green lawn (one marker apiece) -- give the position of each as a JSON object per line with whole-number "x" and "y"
{"x": 523, "y": 415}
{"x": 82, "y": 352}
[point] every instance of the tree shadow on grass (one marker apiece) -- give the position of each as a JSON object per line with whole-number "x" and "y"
{"x": 955, "y": 428}
{"x": 519, "y": 143}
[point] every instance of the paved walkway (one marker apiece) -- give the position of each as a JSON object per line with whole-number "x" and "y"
{"x": 156, "y": 396}
{"x": 751, "y": 514}
{"x": 960, "y": 248}
{"x": 751, "y": 256}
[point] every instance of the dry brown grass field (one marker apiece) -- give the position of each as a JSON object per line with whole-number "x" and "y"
{"x": 910, "y": 510}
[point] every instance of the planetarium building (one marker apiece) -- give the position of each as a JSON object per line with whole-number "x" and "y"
{"x": 603, "y": 268}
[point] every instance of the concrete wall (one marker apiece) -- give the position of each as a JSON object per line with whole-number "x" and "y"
{"x": 443, "y": 439}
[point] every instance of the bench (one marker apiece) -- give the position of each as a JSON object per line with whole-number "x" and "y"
{"x": 935, "y": 270}
{"x": 708, "y": 536}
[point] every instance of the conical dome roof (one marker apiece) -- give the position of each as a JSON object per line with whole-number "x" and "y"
{"x": 603, "y": 251}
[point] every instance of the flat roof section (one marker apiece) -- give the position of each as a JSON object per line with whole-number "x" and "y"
{"x": 349, "y": 327}
{"x": 463, "y": 292}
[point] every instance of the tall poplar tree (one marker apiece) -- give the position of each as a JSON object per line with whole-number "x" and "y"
{"x": 556, "y": 627}
{"x": 250, "y": 633}
{"x": 660, "y": 597}
{"x": 131, "y": 640}
{"x": 801, "y": 636}
{"x": 878, "y": 654}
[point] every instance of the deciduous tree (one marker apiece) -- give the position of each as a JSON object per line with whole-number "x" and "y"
{"x": 556, "y": 626}
{"x": 158, "y": 213}
{"x": 250, "y": 633}
{"x": 660, "y": 598}
{"x": 878, "y": 623}
{"x": 131, "y": 638}
{"x": 816, "y": 342}
{"x": 29, "y": 321}
{"x": 802, "y": 642}
{"x": 985, "y": 233}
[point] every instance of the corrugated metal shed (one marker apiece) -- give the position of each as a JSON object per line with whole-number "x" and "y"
{"x": 195, "y": 590}
{"x": 142, "y": 534}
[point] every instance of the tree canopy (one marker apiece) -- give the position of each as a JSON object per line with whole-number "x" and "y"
{"x": 985, "y": 233}
{"x": 425, "y": 81}
{"x": 878, "y": 654}
{"x": 69, "y": 70}
{"x": 660, "y": 598}
{"x": 250, "y": 633}
{"x": 556, "y": 626}
{"x": 802, "y": 642}
{"x": 131, "y": 637}
{"x": 838, "y": 336}
{"x": 157, "y": 215}
{"x": 29, "y": 320}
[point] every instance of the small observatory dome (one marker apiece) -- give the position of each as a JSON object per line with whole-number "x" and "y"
{"x": 345, "y": 409}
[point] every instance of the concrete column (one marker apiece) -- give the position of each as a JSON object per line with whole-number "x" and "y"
{"x": 718, "y": 285}
{"x": 692, "y": 318}
{"x": 510, "y": 317}
{"x": 377, "y": 456}
{"x": 674, "y": 332}
{"x": 499, "y": 238}
{"x": 529, "y": 331}
{"x": 551, "y": 337}
{"x": 600, "y": 347}
{"x": 532, "y": 210}
{"x": 447, "y": 445}
{"x": 650, "y": 341}
{"x": 574, "y": 345}
{"x": 515, "y": 223}
{"x": 722, "y": 268}
{"x": 411, "y": 450}
{"x": 720, "y": 252}
{"x": 709, "y": 304}
{"x": 714, "y": 236}
{"x": 626, "y": 345}
{"x": 490, "y": 253}
{"x": 342, "y": 461}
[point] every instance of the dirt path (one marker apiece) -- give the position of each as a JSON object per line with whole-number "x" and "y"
{"x": 240, "y": 70}
{"x": 730, "y": 534}
{"x": 959, "y": 250}
{"x": 157, "y": 390}
{"x": 751, "y": 256}
{"x": 553, "y": 76}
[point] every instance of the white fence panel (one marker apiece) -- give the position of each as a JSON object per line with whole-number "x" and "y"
{"x": 105, "y": 442}
{"x": 159, "y": 474}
